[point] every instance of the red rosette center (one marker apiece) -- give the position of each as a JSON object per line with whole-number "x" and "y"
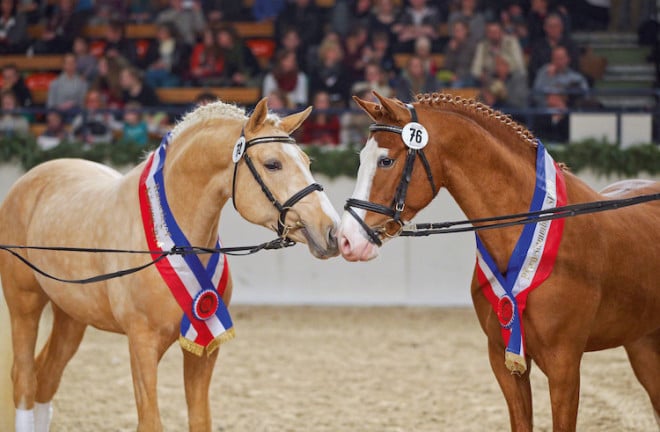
{"x": 205, "y": 304}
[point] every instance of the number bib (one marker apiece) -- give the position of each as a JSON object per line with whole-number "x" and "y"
{"x": 414, "y": 135}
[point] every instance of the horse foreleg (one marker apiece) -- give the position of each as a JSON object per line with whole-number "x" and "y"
{"x": 65, "y": 337}
{"x": 517, "y": 389}
{"x": 644, "y": 356}
{"x": 145, "y": 351}
{"x": 562, "y": 367}
{"x": 25, "y": 308}
{"x": 197, "y": 373}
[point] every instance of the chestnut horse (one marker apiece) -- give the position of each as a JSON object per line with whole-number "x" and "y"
{"x": 604, "y": 290}
{"x": 77, "y": 203}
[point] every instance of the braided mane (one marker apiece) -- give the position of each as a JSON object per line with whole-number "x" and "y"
{"x": 479, "y": 112}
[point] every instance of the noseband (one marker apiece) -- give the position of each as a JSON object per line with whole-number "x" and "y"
{"x": 399, "y": 201}
{"x": 240, "y": 152}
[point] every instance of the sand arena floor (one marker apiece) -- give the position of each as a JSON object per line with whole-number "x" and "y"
{"x": 342, "y": 369}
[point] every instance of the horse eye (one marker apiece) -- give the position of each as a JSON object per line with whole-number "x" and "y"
{"x": 273, "y": 165}
{"x": 385, "y": 162}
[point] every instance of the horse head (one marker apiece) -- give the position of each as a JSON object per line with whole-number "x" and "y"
{"x": 394, "y": 181}
{"x": 273, "y": 185}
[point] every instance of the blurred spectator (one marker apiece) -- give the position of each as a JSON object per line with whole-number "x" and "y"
{"x": 166, "y": 59}
{"x": 354, "y": 58}
{"x": 61, "y": 27}
{"x": 378, "y": 50}
{"x": 94, "y": 124}
{"x": 459, "y": 53}
{"x": 263, "y": 10}
{"x": 217, "y": 11}
{"x": 205, "y": 98}
{"x": 330, "y": 76}
{"x": 117, "y": 45}
{"x": 279, "y": 101}
{"x": 514, "y": 23}
{"x": 188, "y": 18}
{"x": 107, "y": 80}
{"x": 553, "y": 127}
{"x": 134, "y": 129}
{"x": 287, "y": 77}
{"x": 496, "y": 43}
{"x": 472, "y": 16}
{"x": 354, "y": 122}
{"x": 13, "y": 28}
{"x": 86, "y": 63}
{"x": 12, "y": 80}
{"x": 290, "y": 40}
{"x": 414, "y": 80}
{"x": 627, "y": 15}
{"x": 11, "y": 122}
{"x": 557, "y": 77}
{"x": 33, "y": 10}
{"x": 240, "y": 65}
{"x": 505, "y": 89}
{"x": 375, "y": 79}
{"x": 322, "y": 127}
{"x": 67, "y": 91}
{"x": 141, "y": 11}
{"x": 539, "y": 10}
{"x": 109, "y": 10}
{"x": 423, "y": 52}
{"x": 541, "y": 51}
{"x": 135, "y": 89}
{"x": 304, "y": 16}
{"x": 54, "y": 133}
{"x": 417, "y": 19}
{"x": 206, "y": 62}
{"x": 383, "y": 17}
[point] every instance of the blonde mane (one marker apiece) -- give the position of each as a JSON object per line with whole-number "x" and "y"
{"x": 213, "y": 110}
{"x": 481, "y": 113}
{"x": 207, "y": 112}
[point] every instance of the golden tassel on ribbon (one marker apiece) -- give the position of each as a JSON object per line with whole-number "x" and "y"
{"x": 198, "y": 349}
{"x": 515, "y": 363}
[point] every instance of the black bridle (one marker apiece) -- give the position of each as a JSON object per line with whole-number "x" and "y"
{"x": 283, "y": 229}
{"x": 493, "y": 222}
{"x": 399, "y": 201}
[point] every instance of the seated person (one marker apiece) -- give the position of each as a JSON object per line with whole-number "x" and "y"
{"x": 11, "y": 122}
{"x": 54, "y": 133}
{"x": 557, "y": 77}
{"x": 94, "y": 124}
{"x": 322, "y": 127}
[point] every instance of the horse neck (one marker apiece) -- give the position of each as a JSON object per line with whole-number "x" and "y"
{"x": 198, "y": 180}
{"x": 487, "y": 174}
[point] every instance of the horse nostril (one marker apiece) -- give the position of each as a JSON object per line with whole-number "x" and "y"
{"x": 344, "y": 245}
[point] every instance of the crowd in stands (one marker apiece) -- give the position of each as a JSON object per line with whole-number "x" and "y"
{"x": 514, "y": 54}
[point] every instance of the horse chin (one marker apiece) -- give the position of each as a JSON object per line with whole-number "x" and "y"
{"x": 321, "y": 246}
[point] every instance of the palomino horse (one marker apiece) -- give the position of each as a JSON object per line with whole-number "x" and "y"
{"x": 83, "y": 204}
{"x": 603, "y": 291}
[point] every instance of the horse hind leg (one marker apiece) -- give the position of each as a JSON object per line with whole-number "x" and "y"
{"x": 25, "y": 301}
{"x": 644, "y": 356}
{"x": 64, "y": 340}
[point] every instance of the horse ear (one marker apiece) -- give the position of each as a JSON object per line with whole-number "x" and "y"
{"x": 393, "y": 108}
{"x": 258, "y": 116}
{"x": 293, "y": 121}
{"x": 372, "y": 109}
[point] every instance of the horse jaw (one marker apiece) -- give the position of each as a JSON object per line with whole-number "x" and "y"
{"x": 354, "y": 244}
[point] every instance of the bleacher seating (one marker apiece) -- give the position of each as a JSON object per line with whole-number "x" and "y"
{"x": 187, "y": 95}
{"x": 42, "y": 62}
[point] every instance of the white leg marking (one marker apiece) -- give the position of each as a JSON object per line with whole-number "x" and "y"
{"x": 43, "y": 413}
{"x": 24, "y": 420}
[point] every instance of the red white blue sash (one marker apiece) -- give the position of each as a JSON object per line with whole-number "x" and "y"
{"x": 198, "y": 290}
{"x": 530, "y": 264}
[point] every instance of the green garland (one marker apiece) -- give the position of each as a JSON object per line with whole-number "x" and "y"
{"x": 598, "y": 155}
